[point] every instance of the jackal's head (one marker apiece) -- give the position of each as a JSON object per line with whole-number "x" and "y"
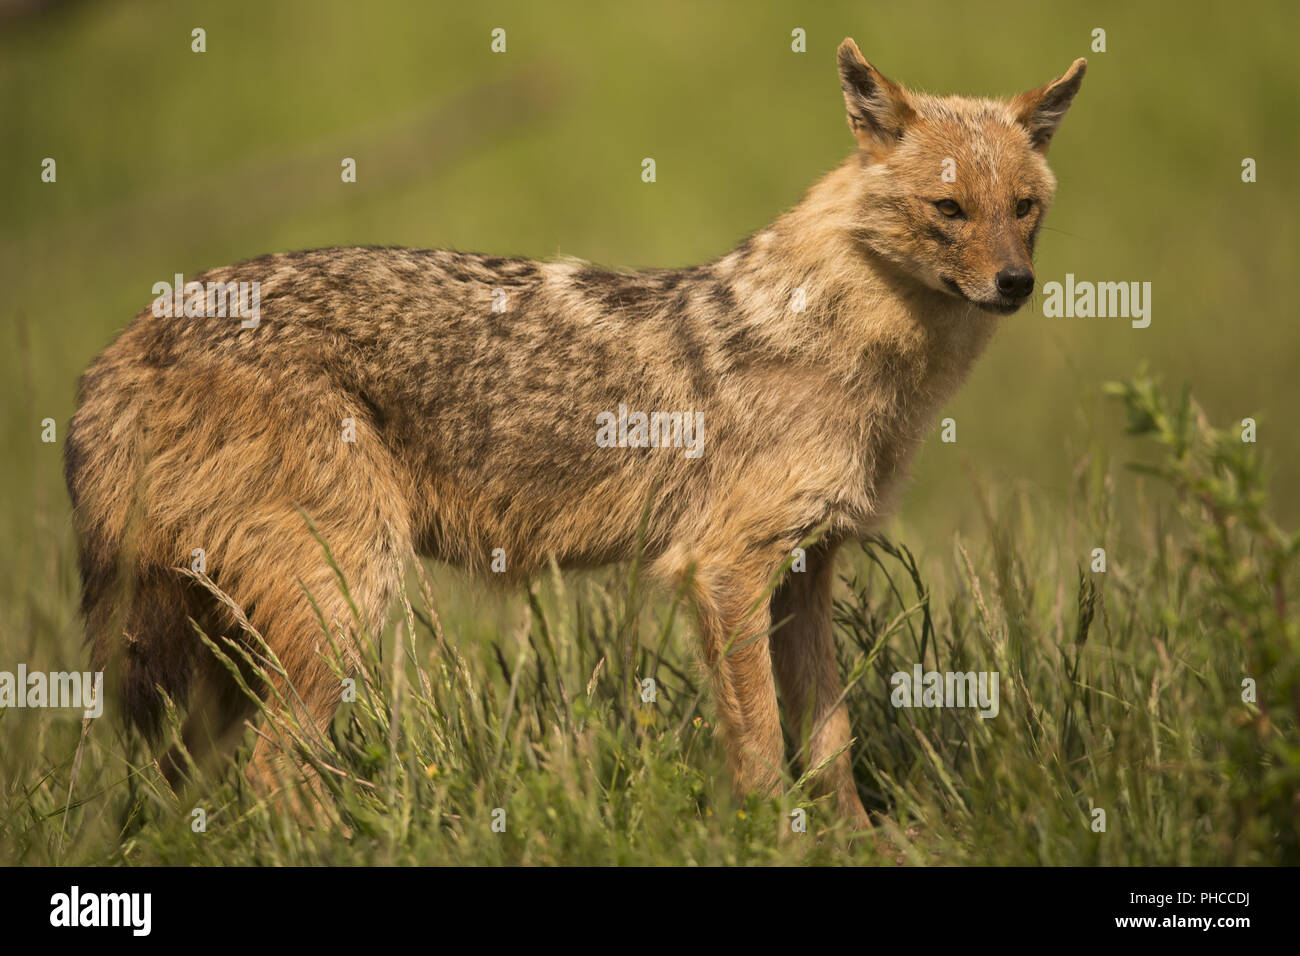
{"x": 956, "y": 188}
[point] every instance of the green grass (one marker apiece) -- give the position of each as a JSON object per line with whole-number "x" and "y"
{"x": 1120, "y": 690}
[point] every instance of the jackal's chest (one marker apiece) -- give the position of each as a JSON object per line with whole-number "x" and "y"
{"x": 900, "y": 406}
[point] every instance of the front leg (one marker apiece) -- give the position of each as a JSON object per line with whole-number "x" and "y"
{"x": 734, "y": 621}
{"x": 803, "y": 652}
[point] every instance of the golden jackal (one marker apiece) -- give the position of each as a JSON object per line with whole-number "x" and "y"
{"x": 473, "y": 408}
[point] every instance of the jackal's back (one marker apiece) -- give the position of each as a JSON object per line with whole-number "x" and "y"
{"x": 473, "y": 385}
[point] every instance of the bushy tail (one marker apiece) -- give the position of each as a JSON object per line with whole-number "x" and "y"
{"x": 140, "y": 635}
{"x": 136, "y": 612}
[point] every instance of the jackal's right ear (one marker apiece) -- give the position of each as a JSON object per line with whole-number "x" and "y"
{"x": 878, "y": 107}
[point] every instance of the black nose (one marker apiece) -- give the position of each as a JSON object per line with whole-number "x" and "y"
{"x": 1016, "y": 282}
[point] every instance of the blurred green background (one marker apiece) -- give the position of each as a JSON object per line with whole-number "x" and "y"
{"x": 171, "y": 161}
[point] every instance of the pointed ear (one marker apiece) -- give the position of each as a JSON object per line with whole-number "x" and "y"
{"x": 1040, "y": 110}
{"x": 878, "y": 108}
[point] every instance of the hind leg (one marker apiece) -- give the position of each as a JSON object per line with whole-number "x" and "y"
{"x": 227, "y": 464}
{"x": 305, "y": 691}
{"x": 279, "y": 595}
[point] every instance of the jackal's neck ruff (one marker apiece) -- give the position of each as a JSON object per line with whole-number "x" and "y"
{"x": 819, "y": 288}
{"x": 889, "y": 349}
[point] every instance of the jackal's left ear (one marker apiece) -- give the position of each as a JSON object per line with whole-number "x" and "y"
{"x": 1040, "y": 110}
{"x": 878, "y": 107}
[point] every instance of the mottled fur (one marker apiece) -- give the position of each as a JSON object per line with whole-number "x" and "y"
{"x": 475, "y": 430}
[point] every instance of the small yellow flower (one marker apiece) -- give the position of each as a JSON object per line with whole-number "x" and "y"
{"x": 742, "y": 814}
{"x": 431, "y": 771}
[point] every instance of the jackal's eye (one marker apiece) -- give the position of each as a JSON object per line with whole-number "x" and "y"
{"x": 948, "y": 208}
{"x": 1023, "y": 207}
